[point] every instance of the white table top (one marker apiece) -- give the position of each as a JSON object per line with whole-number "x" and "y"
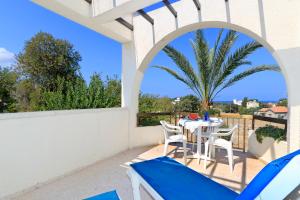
{"x": 192, "y": 125}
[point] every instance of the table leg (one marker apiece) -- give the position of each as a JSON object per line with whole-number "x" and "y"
{"x": 198, "y": 154}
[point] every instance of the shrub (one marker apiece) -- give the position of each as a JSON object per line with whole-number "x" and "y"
{"x": 278, "y": 134}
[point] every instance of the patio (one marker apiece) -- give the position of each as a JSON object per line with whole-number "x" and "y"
{"x": 38, "y": 148}
{"x": 110, "y": 174}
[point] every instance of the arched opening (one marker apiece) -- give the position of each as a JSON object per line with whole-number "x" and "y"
{"x": 170, "y": 37}
{"x": 159, "y": 45}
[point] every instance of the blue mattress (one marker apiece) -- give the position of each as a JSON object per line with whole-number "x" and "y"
{"x": 174, "y": 181}
{"x": 105, "y": 196}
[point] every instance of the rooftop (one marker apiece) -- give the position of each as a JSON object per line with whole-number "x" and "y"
{"x": 276, "y": 109}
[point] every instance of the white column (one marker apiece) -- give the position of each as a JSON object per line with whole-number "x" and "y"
{"x": 131, "y": 78}
{"x": 290, "y": 62}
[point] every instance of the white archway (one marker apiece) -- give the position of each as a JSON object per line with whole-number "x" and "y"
{"x": 193, "y": 27}
{"x": 148, "y": 42}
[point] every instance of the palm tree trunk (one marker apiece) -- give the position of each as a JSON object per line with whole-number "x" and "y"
{"x": 205, "y": 105}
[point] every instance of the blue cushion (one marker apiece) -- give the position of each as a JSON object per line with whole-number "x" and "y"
{"x": 105, "y": 196}
{"x": 175, "y": 181}
{"x": 265, "y": 176}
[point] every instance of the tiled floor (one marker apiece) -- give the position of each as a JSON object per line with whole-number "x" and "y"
{"x": 111, "y": 174}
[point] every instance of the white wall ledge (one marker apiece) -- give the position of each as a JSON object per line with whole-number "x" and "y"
{"x": 38, "y": 114}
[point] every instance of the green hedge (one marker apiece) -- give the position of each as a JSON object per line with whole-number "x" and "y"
{"x": 278, "y": 134}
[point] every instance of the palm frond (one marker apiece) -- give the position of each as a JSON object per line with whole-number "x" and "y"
{"x": 220, "y": 57}
{"x": 247, "y": 73}
{"x": 224, "y": 49}
{"x": 182, "y": 62}
{"x": 201, "y": 51}
{"x": 180, "y": 78}
{"x": 217, "y": 43}
{"x": 236, "y": 60}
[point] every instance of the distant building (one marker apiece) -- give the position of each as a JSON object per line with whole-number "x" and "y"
{"x": 237, "y": 102}
{"x": 280, "y": 112}
{"x": 252, "y": 104}
{"x": 270, "y": 105}
{"x": 177, "y": 100}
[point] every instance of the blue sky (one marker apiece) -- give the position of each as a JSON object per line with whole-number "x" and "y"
{"x": 103, "y": 55}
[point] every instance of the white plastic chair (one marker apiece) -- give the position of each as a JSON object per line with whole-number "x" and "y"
{"x": 206, "y": 132}
{"x": 173, "y": 134}
{"x": 215, "y": 141}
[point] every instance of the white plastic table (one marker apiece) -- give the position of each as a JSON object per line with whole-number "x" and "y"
{"x": 195, "y": 127}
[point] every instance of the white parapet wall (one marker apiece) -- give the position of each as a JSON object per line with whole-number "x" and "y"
{"x": 39, "y": 147}
{"x": 148, "y": 135}
{"x": 268, "y": 150}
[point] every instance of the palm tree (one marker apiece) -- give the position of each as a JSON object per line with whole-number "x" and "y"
{"x": 215, "y": 66}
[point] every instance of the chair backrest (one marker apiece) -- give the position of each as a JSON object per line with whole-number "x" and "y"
{"x": 230, "y": 133}
{"x": 209, "y": 129}
{"x": 233, "y": 131}
{"x": 166, "y": 129}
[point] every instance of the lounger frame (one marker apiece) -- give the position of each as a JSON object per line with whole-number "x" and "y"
{"x": 284, "y": 183}
{"x": 137, "y": 181}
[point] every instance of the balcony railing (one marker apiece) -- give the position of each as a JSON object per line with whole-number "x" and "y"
{"x": 245, "y": 122}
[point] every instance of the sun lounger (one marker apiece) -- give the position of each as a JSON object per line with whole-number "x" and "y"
{"x": 165, "y": 178}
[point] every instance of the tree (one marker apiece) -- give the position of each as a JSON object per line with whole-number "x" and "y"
{"x": 27, "y": 95}
{"x": 189, "y": 103}
{"x": 215, "y": 66}
{"x": 247, "y": 111}
{"x": 113, "y": 90}
{"x": 79, "y": 95}
{"x": 164, "y": 104}
{"x": 147, "y": 103}
{"x": 8, "y": 80}
{"x": 244, "y": 102}
{"x": 283, "y": 102}
{"x": 154, "y": 103}
{"x": 45, "y": 59}
{"x": 231, "y": 108}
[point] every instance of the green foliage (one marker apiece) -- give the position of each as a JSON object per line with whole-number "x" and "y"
{"x": 147, "y": 103}
{"x": 189, "y": 103}
{"x": 153, "y": 121}
{"x": 244, "y": 102}
{"x": 153, "y": 103}
{"x": 28, "y": 95}
{"x": 112, "y": 92}
{"x": 47, "y": 77}
{"x": 245, "y": 111}
{"x": 276, "y": 133}
{"x": 283, "y": 102}
{"x": 8, "y": 80}
{"x": 231, "y": 108}
{"x": 45, "y": 59}
{"x": 212, "y": 112}
{"x": 78, "y": 95}
{"x": 216, "y": 66}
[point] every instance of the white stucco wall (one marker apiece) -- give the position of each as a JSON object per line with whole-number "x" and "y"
{"x": 147, "y": 136}
{"x": 38, "y": 147}
{"x": 268, "y": 150}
